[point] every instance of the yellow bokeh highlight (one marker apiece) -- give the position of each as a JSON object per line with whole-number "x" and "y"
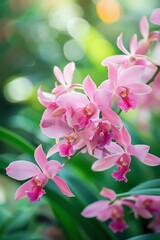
{"x": 109, "y": 11}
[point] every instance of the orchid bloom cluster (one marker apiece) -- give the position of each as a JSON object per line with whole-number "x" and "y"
{"x": 113, "y": 208}
{"x": 80, "y": 117}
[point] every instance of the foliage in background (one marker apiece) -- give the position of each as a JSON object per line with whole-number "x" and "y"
{"x": 31, "y": 43}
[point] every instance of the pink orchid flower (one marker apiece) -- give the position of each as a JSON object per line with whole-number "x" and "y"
{"x": 155, "y": 224}
{"x": 137, "y": 49}
{"x": 103, "y": 211}
{"x": 67, "y": 146}
{"x": 33, "y": 188}
{"x": 155, "y": 16}
{"x": 116, "y": 155}
{"x": 130, "y": 58}
{"x": 65, "y": 79}
{"x": 146, "y": 207}
{"x": 125, "y": 86}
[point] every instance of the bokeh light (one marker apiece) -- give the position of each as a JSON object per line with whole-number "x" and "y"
{"x": 109, "y": 11}
{"x": 19, "y": 89}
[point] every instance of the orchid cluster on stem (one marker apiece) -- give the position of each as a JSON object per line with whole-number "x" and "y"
{"x": 80, "y": 117}
{"x": 113, "y": 208}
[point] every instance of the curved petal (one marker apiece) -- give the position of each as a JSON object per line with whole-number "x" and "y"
{"x": 21, "y": 170}
{"x": 23, "y": 189}
{"x": 68, "y": 73}
{"x": 59, "y": 75}
{"x": 120, "y": 44}
{"x": 52, "y": 167}
{"x": 151, "y": 160}
{"x": 144, "y": 27}
{"x": 40, "y": 157}
{"x": 53, "y": 149}
{"x": 112, "y": 117}
{"x": 89, "y": 87}
{"x": 155, "y": 16}
{"x": 130, "y": 75}
{"x": 108, "y": 193}
{"x": 113, "y": 73}
{"x": 46, "y": 99}
{"x": 63, "y": 187}
{"x": 139, "y": 88}
{"x": 105, "y": 163}
{"x": 126, "y": 138}
{"x": 72, "y": 100}
{"x": 95, "y": 208}
{"x": 53, "y": 126}
{"x": 139, "y": 151}
{"x": 133, "y": 44}
{"x": 114, "y": 148}
{"x": 99, "y": 97}
{"x": 115, "y": 59}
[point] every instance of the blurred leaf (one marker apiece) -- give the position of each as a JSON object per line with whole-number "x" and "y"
{"x": 149, "y": 191}
{"x": 149, "y": 184}
{"x": 72, "y": 209}
{"x": 16, "y": 141}
{"x": 22, "y": 235}
{"x": 153, "y": 236}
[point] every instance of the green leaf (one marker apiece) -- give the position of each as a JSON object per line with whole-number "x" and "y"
{"x": 149, "y": 191}
{"x": 155, "y": 236}
{"x": 149, "y": 184}
{"x": 15, "y": 141}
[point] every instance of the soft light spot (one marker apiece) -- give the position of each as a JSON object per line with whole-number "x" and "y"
{"x": 109, "y": 11}
{"x": 19, "y": 89}
{"x": 73, "y": 51}
{"x": 78, "y": 28}
{"x": 59, "y": 19}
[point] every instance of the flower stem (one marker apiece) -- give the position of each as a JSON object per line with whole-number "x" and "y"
{"x": 153, "y": 77}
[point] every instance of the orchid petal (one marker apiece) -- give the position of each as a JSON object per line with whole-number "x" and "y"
{"x": 117, "y": 59}
{"x": 63, "y": 187}
{"x": 114, "y": 148}
{"x": 108, "y": 193}
{"x": 155, "y": 16}
{"x": 59, "y": 75}
{"x": 53, "y": 126}
{"x": 21, "y": 170}
{"x": 46, "y": 99}
{"x": 53, "y": 150}
{"x": 52, "y": 167}
{"x": 144, "y": 27}
{"x": 139, "y": 88}
{"x": 112, "y": 73}
{"x": 89, "y": 87}
{"x": 130, "y": 75}
{"x": 40, "y": 157}
{"x": 95, "y": 208}
{"x": 151, "y": 160}
{"x": 120, "y": 44}
{"x": 133, "y": 44}
{"x": 105, "y": 163}
{"x": 23, "y": 189}
{"x": 72, "y": 100}
{"x": 112, "y": 117}
{"x": 68, "y": 72}
{"x": 99, "y": 97}
{"x": 139, "y": 151}
{"x": 126, "y": 138}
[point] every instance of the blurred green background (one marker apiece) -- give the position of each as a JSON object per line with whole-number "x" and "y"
{"x": 36, "y": 35}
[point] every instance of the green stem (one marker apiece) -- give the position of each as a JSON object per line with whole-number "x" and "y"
{"x": 153, "y": 77}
